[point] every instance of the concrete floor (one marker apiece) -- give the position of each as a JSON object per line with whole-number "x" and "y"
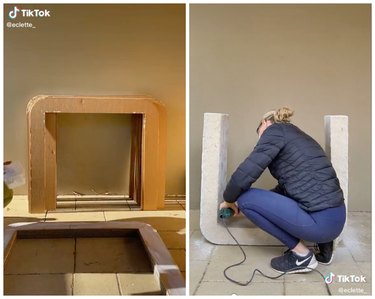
{"x": 90, "y": 266}
{"x": 352, "y": 260}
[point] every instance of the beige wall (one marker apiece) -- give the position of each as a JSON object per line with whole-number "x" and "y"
{"x": 248, "y": 59}
{"x": 97, "y": 50}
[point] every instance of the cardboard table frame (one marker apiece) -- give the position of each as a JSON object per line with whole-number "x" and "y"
{"x": 166, "y": 272}
{"x": 148, "y": 145}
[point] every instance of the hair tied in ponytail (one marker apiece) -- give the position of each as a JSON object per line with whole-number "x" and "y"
{"x": 283, "y": 115}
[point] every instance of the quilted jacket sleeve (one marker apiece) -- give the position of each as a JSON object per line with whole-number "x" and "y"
{"x": 267, "y": 148}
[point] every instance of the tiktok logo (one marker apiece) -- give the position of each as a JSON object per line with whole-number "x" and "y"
{"x": 13, "y": 13}
{"x": 29, "y": 13}
{"x": 329, "y": 278}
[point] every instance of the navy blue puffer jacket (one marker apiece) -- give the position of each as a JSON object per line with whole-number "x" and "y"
{"x": 297, "y": 161}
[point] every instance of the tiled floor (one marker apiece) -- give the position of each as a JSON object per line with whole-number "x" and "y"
{"x": 352, "y": 260}
{"x": 81, "y": 273}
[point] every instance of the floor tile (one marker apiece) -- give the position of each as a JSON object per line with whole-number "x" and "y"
{"x": 257, "y": 257}
{"x": 194, "y": 217}
{"x": 304, "y": 288}
{"x": 361, "y": 252}
{"x": 357, "y": 236}
{"x": 172, "y": 207}
{"x": 342, "y": 264}
{"x": 8, "y": 220}
{"x": 18, "y": 211}
{"x": 95, "y": 284}
{"x": 111, "y": 255}
{"x": 18, "y": 206}
{"x": 340, "y": 289}
{"x": 134, "y": 214}
{"x": 228, "y": 288}
{"x": 31, "y": 256}
{"x": 159, "y": 220}
{"x": 75, "y": 216}
{"x": 366, "y": 269}
{"x": 200, "y": 248}
{"x": 138, "y": 284}
{"x": 38, "y": 284}
{"x": 197, "y": 270}
{"x": 65, "y": 209}
{"x": 308, "y": 277}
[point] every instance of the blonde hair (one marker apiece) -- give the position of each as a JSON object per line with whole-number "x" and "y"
{"x": 281, "y": 115}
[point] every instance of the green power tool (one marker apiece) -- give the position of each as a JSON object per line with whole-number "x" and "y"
{"x": 225, "y": 213}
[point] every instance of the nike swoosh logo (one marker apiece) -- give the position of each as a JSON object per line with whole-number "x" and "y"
{"x": 299, "y": 263}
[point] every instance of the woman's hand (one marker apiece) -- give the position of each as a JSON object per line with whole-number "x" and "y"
{"x": 230, "y": 205}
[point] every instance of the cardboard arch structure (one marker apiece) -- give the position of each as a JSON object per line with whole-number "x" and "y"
{"x": 148, "y": 145}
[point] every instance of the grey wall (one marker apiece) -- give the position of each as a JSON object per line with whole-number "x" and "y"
{"x": 97, "y": 50}
{"x": 248, "y": 59}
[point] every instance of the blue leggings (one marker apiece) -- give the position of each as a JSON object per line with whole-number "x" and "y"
{"x": 281, "y": 217}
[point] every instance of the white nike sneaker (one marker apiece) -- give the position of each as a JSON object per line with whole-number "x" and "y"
{"x": 291, "y": 262}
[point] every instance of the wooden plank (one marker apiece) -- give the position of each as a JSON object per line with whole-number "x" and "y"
{"x": 164, "y": 266}
{"x": 136, "y": 158}
{"x": 162, "y": 154}
{"x": 36, "y": 177}
{"x": 149, "y": 188}
{"x": 133, "y": 150}
{"x": 50, "y": 182}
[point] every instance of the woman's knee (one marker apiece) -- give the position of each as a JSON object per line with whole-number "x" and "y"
{"x": 240, "y": 203}
{"x": 248, "y": 199}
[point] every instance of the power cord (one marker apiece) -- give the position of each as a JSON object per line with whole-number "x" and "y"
{"x": 257, "y": 270}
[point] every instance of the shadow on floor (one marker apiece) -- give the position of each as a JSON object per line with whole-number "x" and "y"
{"x": 159, "y": 223}
{"x": 165, "y": 225}
{"x": 16, "y": 219}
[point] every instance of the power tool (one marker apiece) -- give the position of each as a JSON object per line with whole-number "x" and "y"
{"x": 226, "y": 213}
